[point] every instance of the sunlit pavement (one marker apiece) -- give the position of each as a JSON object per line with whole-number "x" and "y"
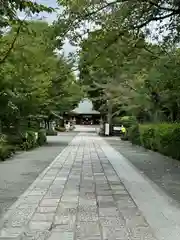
{"x": 91, "y": 192}
{"x": 86, "y": 128}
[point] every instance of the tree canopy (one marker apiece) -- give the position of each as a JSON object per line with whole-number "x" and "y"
{"x": 133, "y": 15}
{"x": 34, "y": 78}
{"x": 118, "y": 63}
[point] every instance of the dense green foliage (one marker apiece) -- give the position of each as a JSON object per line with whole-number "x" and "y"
{"x": 123, "y": 73}
{"x": 42, "y": 139}
{"x": 163, "y": 138}
{"x": 60, "y": 129}
{"x": 37, "y": 85}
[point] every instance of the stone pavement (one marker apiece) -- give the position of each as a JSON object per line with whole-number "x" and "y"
{"x": 20, "y": 171}
{"x": 81, "y": 197}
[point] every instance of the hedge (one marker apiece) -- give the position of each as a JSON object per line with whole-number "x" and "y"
{"x": 60, "y": 129}
{"x": 30, "y": 141}
{"x": 6, "y": 151}
{"x": 164, "y": 138}
{"x": 20, "y": 141}
{"x": 42, "y": 139}
{"x": 126, "y": 121}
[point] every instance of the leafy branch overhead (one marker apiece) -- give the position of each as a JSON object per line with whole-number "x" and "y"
{"x": 9, "y": 17}
{"x": 133, "y": 15}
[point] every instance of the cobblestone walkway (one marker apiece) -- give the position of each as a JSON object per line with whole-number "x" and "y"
{"x": 78, "y": 197}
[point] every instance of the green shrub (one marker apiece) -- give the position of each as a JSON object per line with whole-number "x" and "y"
{"x": 60, "y": 129}
{"x": 128, "y": 121}
{"x": 147, "y": 136}
{"x": 6, "y": 151}
{"x": 51, "y": 133}
{"x": 16, "y": 139}
{"x": 42, "y": 139}
{"x": 164, "y": 138}
{"x": 29, "y": 141}
{"x": 167, "y": 139}
{"x": 134, "y": 134}
{"x": 117, "y": 121}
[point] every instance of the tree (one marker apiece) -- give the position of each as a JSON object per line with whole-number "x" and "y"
{"x": 9, "y": 10}
{"x": 133, "y": 15}
{"x": 30, "y": 73}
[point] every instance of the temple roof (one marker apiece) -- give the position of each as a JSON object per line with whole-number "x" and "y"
{"x": 85, "y": 107}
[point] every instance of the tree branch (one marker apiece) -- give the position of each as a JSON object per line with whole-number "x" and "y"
{"x": 153, "y": 19}
{"x": 3, "y": 59}
{"x": 164, "y": 8}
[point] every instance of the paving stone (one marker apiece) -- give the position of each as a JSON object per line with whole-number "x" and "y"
{"x": 111, "y": 211}
{"x": 87, "y": 195}
{"x": 69, "y": 219}
{"x": 105, "y": 199}
{"x": 46, "y": 209}
{"x": 31, "y": 200}
{"x": 144, "y": 233}
{"x": 87, "y": 202}
{"x": 19, "y": 217}
{"x": 68, "y": 198}
{"x": 130, "y": 212}
{"x": 64, "y": 228}
{"x": 39, "y": 225}
{"x": 35, "y": 234}
{"x": 47, "y": 217}
{"x": 112, "y": 221}
{"x": 87, "y": 216}
{"x": 12, "y": 232}
{"x": 136, "y": 221}
{"x": 37, "y": 193}
{"x": 55, "y": 235}
{"x": 118, "y": 196}
{"x": 110, "y": 233}
{"x": 87, "y": 230}
{"x": 49, "y": 202}
{"x": 106, "y": 204}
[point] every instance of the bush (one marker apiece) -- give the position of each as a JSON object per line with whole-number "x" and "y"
{"x": 29, "y": 141}
{"x": 167, "y": 139}
{"x": 42, "y": 139}
{"x": 134, "y": 134}
{"x": 15, "y": 139}
{"x": 164, "y": 138}
{"x": 6, "y": 151}
{"x": 51, "y": 133}
{"x": 60, "y": 129}
{"x": 117, "y": 121}
{"x": 147, "y": 136}
{"x": 128, "y": 121}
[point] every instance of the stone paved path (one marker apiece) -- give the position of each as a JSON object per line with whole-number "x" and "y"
{"x": 80, "y": 197}
{"x": 19, "y": 172}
